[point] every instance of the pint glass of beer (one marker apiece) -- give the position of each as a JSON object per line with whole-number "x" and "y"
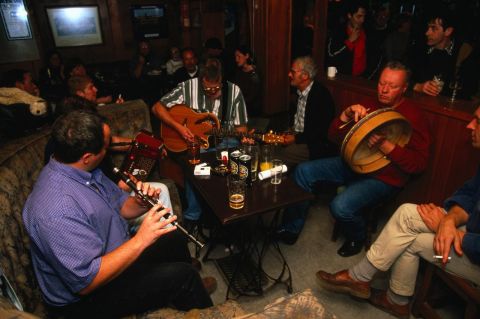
{"x": 193, "y": 152}
{"x": 236, "y": 191}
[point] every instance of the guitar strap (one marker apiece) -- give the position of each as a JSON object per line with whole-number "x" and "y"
{"x": 224, "y": 104}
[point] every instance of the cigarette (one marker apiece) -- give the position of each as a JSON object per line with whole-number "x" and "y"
{"x": 441, "y": 257}
{"x": 119, "y": 96}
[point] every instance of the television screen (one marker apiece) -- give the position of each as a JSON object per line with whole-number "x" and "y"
{"x": 149, "y": 21}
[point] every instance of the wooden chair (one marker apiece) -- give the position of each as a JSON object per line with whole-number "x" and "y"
{"x": 422, "y": 306}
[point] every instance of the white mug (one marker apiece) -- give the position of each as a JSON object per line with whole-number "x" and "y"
{"x": 331, "y": 71}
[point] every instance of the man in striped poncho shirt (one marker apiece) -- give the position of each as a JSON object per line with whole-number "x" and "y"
{"x": 204, "y": 94}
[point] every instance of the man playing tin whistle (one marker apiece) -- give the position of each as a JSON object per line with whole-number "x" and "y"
{"x": 448, "y": 237}
{"x": 363, "y": 190}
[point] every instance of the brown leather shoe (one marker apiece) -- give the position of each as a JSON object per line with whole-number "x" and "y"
{"x": 342, "y": 282}
{"x": 378, "y": 298}
{"x": 210, "y": 284}
{"x": 196, "y": 264}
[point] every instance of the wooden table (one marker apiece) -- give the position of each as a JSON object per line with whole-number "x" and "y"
{"x": 261, "y": 198}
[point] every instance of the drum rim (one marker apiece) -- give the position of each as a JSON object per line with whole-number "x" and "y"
{"x": 355, "y": 127}
{"x": 381, "y": 161}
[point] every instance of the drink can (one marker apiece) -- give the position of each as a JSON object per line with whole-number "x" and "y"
{"x": 245, "y": 169}
{"x": 234, "y": 158}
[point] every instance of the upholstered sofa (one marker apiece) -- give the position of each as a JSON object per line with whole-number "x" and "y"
{"x": 20, "y": 163}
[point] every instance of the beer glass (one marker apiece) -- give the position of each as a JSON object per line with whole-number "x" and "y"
{"x": 193, "y": 152}
{"x": 236, "y": 191}
{"x": 437, "y": 79}
{"x": 277, "y": 167}
{"x": 266, "y": 158}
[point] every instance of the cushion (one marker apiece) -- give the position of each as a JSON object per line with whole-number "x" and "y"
{"x": 8, "y": 311}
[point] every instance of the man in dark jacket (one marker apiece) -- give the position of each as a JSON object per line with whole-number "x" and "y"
{"x": 315, "y": 110}
{"x": 190, "y": 68}
{"x": 445, "y": 62}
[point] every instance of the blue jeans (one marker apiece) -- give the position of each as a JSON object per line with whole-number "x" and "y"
{"x": 194, "y": 209}
{"x": 361, "y": 191}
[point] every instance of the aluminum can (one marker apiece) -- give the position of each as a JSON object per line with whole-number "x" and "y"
{"x": 233, "y": 159}
{"x": 245, "y": 169}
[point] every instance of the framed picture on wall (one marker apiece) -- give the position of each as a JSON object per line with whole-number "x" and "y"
{"x": 75, "y": 26}
{"x": 149, "y": 21}
{"x": 15, "y": 19}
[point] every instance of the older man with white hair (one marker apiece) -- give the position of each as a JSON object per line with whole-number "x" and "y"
{"x": 315, "y": 110}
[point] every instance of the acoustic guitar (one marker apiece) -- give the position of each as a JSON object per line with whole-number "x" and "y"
{"x": 198, "y": 123}
{"x": 203, "y": 125}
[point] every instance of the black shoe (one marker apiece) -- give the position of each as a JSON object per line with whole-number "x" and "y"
{"x": 351, "y": 248}
{"x": 285, "y": 236}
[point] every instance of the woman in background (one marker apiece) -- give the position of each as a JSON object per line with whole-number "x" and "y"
{"x": 248, "y": 80}
{"x": 52, "y": 78}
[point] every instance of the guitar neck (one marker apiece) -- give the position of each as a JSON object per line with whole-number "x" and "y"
{"x": 232, "y": 133}
{"x": 268, "y": 138}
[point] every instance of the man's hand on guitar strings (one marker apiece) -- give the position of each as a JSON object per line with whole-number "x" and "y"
{"x": 186, "y": 133}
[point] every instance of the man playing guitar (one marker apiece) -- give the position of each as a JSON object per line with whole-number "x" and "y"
{"x": 208, "y": 93}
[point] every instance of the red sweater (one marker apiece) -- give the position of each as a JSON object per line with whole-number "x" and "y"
{"x": 359, "y": 63}
{"x": 410, "y": 159}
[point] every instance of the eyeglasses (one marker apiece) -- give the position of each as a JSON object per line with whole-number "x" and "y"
{"x": 212, "y": 90}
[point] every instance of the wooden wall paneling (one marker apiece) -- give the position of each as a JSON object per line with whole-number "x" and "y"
{"x": 122, "y": 29}
{"x": 278, "y": 49}
{"x": 257, "y": 28}
{"x": 213, "y": 26}
{"x": 271, "y": 34}
{"x": 320, "y": 34}
{"x": 458, "y": 159}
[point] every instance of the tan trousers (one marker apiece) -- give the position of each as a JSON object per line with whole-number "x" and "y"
{"x": 402, "y": 242}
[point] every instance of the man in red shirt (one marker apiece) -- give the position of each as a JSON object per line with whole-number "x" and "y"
{"x": 364, "y": 190}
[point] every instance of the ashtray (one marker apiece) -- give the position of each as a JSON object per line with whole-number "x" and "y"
{"x": 221, "y": 169}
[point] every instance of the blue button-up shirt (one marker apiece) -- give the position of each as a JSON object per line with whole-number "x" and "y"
{"x": 73, "y": 219}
